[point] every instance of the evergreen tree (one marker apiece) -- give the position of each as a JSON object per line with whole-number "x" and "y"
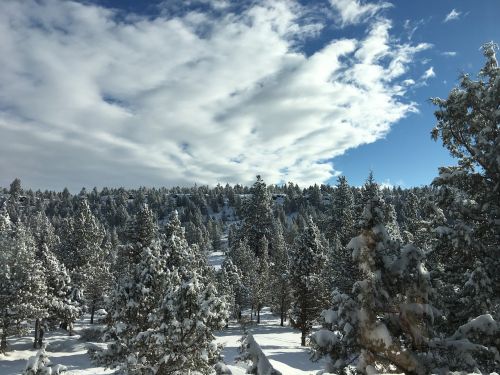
{"x": 135, "y": 297}
{"x": 230, "y": 286}
{"x": 244, "y": 259}
{"x": 280, "y": 274}
{"x": 22, "y": 284}
{"x": 309, "y": 289}
{"x": 261, "y": 294}
{"x": 180, "y": 337}
{"x": 258, "y": 216}
{"x": 382, "y": 324}
{"x": 342, "y": 212}
{"x": 98, "y": 279}
{"x": 467, "y": 254}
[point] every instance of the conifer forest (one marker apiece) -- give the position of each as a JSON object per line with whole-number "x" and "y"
{"x": 200, "y": 280}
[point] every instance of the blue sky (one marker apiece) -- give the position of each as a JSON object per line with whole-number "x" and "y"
{"x": 131, "y": 93}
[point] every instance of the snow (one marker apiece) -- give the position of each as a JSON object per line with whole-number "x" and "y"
{"x": 63, "y": 350}
{"x": 281, "y": 346}
{"x": 484, "y": 324}
{"x": 216, "y": 258}
{"x": 325, "y": 338}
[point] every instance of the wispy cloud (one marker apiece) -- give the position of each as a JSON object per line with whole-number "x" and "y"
{"x": 453, "y": 15}
{"x": 90, "y": 98}
{"x": 429, "y": 73}
{"x": 449, "y": 53}
{"x": 412, "y": 26}
{"x": 354, "y": 11}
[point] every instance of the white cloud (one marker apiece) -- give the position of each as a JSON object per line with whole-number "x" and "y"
{"x": 412, "y": 26}
{"x": 449, "y": 53}
{"x": 354, "y": 11}
{"x": 90, "y": 99}
{"x": 388, "y": 184}
{"x": 429, "y": 73}
{"x": 453, "y": 15}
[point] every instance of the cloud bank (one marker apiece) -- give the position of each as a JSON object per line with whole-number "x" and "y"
{"x": 90, "y": 96}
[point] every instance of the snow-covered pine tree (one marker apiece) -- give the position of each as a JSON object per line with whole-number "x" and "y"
{"x": 392, "y": 223}
{"x": 280, "y": 274}
{"x": 99, "y": 279}
{"x": 340, "y": 272}
{"x": 244, "y": 258}
{"x": 262, "y": 295}
{"x": 80, "y": 246}
{"x": 230, "y": 286}
{"x": 59, "y": 303}
{"x": 342, "y": 213}
{"x": 180, "y": 337}
{"x": 257, "y": 216}
{"x": 135, "y": 297}
{"x": 467, "y": 255}
{"x": 410, "y": 216}
{"x": 22, "y": 284}
{"x": 382, "y": 324}
{"x": 309, "y": 290}
{"x": 469, "y": 194}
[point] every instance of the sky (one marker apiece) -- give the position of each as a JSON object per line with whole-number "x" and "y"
{"x": 164, "y": 93}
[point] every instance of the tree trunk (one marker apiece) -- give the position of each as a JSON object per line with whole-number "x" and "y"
{"x": 303, "y": 339}
{"x": 92, "y": 311}
{"x": 37, "y": 332}
{"x": 282, "y": 316}
{"x": 70, "y": 328}
{"x": 258, "y": 314}
{"x": 3, "y": 342}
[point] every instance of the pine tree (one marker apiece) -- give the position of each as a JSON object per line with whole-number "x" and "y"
{"x": 80, "y": 246}
{"x": 467, "y": 254}
{"x": 60, "y": 305}
{"x": 309, "y": 289}
{"x": 258, "y": 216}
{"x": 180, "y": 336}
{"x": 230, "y": 286}
{"x": 130, "y": 305}
{"x": 244, "y": 259}
{"x": 383, "y": 322}
{"x": 22, "y": 284}
{"x": 342, "y": 212}
{"x": 340, "y": 272}
{"x": 136, "y": 295}
{"x": 98, "y": 279}
{"x": 280, "y": 274}
{"x": 261, "y": 295}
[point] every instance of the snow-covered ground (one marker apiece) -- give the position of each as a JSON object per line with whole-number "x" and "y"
{"x": 62, "y": 349}
{"x": 216, "y": 258}
{"x": 281, "y": 345}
